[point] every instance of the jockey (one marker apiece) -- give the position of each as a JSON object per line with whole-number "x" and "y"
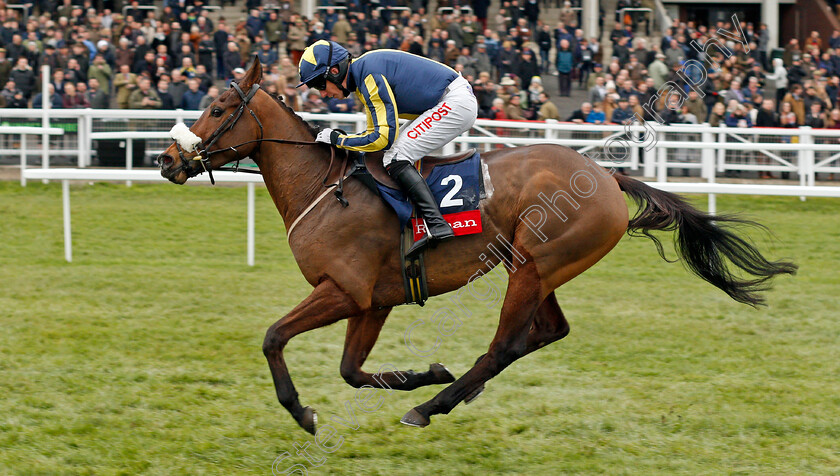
{"x": 393, "y": 84}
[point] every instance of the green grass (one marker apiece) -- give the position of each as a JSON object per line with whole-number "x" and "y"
{"x": 144, "y": 356}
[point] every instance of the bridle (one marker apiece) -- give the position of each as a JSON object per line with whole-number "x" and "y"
{"x": 203, "y": 153}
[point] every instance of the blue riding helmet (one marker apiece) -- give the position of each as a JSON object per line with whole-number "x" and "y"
{"x": 316, "y": 62}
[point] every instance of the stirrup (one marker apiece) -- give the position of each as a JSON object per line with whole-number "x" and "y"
{"x": 426, "y": 242}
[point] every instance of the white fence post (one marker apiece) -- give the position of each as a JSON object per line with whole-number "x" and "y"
{"x": 45, "y": 156}
{"x": 250, "y": 224}
{"x": 68, "y": 240}
{"x": 129, "y": 157}
{"x": 721, "y": 156}
{"x": 805, "y": 157}
{"x": 649, "y": 169}
{"x": 82, "y": 144}
{"x": 23, "y": 152}
{"x": 661, "y": 166}
{"x": 46, "y": 104}
{"x": 708, "y": 171}
{"x": 88, "y": 142}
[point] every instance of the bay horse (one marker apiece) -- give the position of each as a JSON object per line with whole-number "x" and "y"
{"x": 350, "y": 255}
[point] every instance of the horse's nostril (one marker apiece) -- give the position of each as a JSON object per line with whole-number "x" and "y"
{"x": 165, "y": 161}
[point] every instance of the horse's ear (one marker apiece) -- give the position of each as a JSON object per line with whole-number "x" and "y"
{"x": 254, "y": 74}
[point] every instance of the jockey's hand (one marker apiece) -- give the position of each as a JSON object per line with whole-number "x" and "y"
{"x": 327, "y": 136}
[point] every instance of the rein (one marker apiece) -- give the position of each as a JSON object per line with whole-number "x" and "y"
{"x": 203, "y": 155}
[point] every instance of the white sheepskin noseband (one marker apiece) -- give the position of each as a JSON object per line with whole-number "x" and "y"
{"x": 184, "y": 137}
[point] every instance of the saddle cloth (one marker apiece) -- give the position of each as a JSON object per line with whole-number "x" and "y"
{"x": 457, "y": 185}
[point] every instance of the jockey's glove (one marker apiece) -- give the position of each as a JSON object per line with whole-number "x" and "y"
{"x": 328, "y": 136}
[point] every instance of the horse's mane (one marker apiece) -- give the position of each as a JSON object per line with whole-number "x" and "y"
{"x": 312, "y": 129}
{"x": 309, "y": 127}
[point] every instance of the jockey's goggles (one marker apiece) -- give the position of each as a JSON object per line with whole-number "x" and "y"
{"x": 318, "y": 82}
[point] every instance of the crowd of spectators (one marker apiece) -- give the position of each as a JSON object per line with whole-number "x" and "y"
{"x": 176, "y": 56}
{"x": 744, "y": 86}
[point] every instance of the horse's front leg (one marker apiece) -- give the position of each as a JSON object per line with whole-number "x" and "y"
{"x": 362, "y": 333}
{"x": 327, "y": 304}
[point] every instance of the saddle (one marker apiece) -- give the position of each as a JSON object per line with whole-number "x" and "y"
{"x": 373, "y": 164}
{"x": 368, "y": 168}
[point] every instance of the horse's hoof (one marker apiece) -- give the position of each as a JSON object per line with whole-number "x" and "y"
{"x": 309, "y": 420}
{"x": 473, "y": 395}
{"x": 441, "y": 373}
{"x": 414, "y": 418}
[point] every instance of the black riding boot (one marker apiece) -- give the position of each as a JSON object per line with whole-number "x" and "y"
{"x": 413, "y": 184}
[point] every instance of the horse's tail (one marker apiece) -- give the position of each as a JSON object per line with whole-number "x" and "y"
{"x": 704, "y": 242}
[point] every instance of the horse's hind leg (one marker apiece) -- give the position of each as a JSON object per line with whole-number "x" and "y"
{"x": 550, "y": 325}
{"x": 510, "y": 343}
{"x": 362, "y": 332}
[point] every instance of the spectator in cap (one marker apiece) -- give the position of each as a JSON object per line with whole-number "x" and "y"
{"x": 547, "y": 108}
{"x": 659, "y": 71}
{"x": 483, "y": 63}
{"x": 623, "y": 113}
{"x": 52, "y": 58}
{"x": 107, "y": 51}
{"x": 238, "y": 74}
{"x": 266, "y": 54}
{"x": 597, "y": 72}
{"x": 528, "y": 67}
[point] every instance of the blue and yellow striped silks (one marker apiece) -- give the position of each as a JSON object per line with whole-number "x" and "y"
{"x": 381, "y": 109}
{"x": 392, "y": 84}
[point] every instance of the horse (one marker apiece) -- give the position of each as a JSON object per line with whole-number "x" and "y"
{"x": 552, "y": 214}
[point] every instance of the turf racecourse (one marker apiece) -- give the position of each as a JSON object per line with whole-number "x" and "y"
{"x": 144, "y": 355}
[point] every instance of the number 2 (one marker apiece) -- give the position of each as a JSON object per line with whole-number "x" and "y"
{"x": 448, "y": 201}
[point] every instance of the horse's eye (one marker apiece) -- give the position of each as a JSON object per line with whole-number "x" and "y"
{"x": 216, "y": 112}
